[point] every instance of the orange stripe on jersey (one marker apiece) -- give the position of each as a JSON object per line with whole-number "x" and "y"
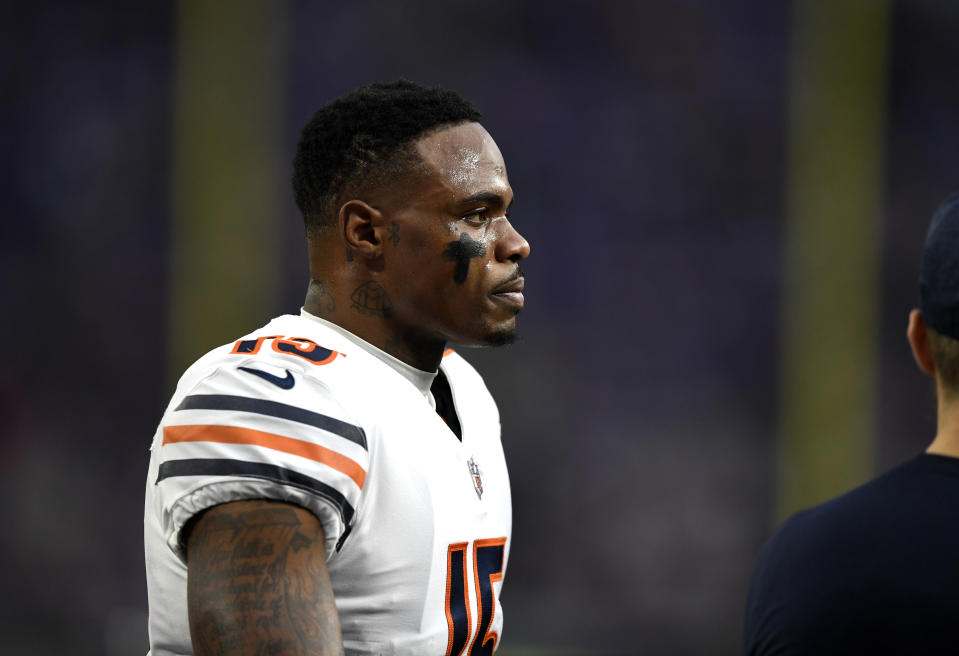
{"x": 236, "y": 435}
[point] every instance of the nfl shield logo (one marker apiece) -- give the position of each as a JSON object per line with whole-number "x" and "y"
{"x": 477, "y": 477}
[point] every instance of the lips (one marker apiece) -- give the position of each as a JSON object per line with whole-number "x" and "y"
{"x": 510, "y": 293}
{"x": 516, "y": 285}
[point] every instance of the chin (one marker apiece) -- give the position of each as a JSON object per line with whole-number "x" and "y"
{"x": 500, "y": 337}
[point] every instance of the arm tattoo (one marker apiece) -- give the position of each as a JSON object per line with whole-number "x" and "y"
{"x": 371, "y": 298}
{"x": 257, "y": 583}
{"x": 394, "y": 234}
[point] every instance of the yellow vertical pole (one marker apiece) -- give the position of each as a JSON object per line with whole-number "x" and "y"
{"x": 831, "y": 262}
{"x": 229, "y": 173}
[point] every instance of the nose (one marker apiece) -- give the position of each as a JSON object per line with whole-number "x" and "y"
{"x": 510, "y": 245}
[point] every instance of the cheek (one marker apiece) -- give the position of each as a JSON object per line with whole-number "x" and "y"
{"x": 463, "y": 253}
{"x": 482, "y": 263}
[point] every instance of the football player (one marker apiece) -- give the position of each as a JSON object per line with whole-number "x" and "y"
{"x": 333, "y": 482}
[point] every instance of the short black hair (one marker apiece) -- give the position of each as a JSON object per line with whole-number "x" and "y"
{"x": 365, "y": 137}
{"x": 945, "y": 357}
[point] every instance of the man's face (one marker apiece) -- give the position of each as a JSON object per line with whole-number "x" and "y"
{"x": 454, "y": 263}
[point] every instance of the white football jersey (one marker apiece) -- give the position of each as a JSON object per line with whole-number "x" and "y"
{"x": 417, "y": 522}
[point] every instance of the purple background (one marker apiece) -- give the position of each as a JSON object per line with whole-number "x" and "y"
{"x": 646, "y": 144}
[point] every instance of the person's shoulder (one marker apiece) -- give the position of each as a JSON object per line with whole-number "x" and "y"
{"x": 826, "y": 562}
{"x": 253, "y": 419}
{"x": 291, "y": 360}
{"x": 816, "y": 542}
{"x": 796, "y": 572}
{"x": 878, "y": 495}
{"x": 289, "y": 341}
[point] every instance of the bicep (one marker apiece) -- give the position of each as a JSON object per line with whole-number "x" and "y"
{"x": 257, "y": 582}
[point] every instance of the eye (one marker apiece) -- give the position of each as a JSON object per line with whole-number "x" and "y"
{"x": 477, "y": 218}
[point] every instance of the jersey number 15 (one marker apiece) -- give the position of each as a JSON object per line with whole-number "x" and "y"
{"x": 487, "y": 569}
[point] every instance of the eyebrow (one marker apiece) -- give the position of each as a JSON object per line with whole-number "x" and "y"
{"x": 485, "y": 197}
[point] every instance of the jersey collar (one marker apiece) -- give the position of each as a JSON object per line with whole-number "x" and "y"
{"x": 421, "y": 380}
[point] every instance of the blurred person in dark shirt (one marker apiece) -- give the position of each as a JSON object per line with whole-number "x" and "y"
{"x": 876, "y": 570}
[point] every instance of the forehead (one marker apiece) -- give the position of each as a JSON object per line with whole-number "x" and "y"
{"x": 464, "y": 160}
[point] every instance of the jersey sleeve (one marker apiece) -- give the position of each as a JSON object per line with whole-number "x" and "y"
{"x": 257, "y": 430}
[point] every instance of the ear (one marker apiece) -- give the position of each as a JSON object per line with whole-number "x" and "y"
{"x": 919, "y": 341}
{"x": 361, "y": 227}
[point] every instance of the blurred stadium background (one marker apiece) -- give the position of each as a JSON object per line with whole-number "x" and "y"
{"x": 725, "y": 200}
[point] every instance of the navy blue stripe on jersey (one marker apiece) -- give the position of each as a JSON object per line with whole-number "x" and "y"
{"x": 223, "y": 467}
{"x": 274, "y": 409}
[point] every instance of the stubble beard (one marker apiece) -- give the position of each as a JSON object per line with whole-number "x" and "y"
{"x": 501, "y": 337}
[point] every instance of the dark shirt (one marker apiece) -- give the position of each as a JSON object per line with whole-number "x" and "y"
{"x": 874, "y": 571}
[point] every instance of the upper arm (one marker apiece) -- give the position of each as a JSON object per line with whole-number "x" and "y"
{"x": 257, "y": 582}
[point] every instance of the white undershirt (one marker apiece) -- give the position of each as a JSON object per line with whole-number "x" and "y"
{"x": 421, "y": 380}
